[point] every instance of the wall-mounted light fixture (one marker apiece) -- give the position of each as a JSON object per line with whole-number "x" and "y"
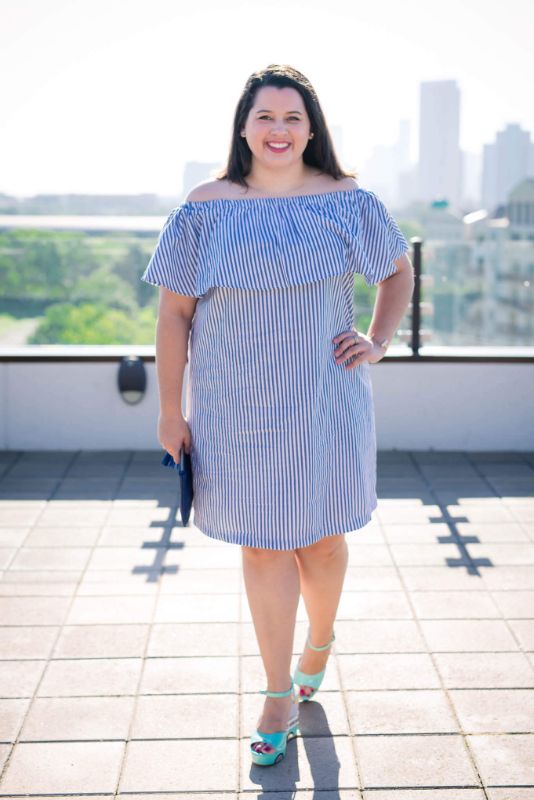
{"x": 132, "y": 379}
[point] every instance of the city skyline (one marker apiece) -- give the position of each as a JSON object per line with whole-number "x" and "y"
{"x": 84, "y": 113}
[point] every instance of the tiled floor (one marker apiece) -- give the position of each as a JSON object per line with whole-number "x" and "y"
{"x": 129, "y": 665}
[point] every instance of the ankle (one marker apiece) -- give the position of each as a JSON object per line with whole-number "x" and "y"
{"x": 320, "y": 638}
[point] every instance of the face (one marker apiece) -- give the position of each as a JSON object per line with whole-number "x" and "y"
{"x": 277, "y": 117}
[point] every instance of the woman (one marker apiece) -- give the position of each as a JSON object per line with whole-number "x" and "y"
{"x": 257, "y": 275}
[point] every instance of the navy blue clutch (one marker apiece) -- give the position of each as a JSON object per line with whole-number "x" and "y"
{"x": 185, "y": 472}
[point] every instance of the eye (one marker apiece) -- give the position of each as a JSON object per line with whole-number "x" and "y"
{"x": 265, "y": 116}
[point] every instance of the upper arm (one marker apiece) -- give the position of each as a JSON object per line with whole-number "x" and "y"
{"x": 178, "y": 305}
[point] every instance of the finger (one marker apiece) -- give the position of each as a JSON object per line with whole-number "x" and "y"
{"x": 348, "y": 350}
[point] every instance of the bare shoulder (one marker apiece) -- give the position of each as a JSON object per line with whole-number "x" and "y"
{"x": 209, "y": 190}
{"x": 349, "y": 183}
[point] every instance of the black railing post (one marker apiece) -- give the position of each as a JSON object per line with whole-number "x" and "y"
{"x": 416, "y": 297}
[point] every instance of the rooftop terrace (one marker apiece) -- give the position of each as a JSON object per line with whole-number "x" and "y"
{"x": 129, "y": 665}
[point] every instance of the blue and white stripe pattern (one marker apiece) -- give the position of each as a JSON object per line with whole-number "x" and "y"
{"x": 283, "y": 438}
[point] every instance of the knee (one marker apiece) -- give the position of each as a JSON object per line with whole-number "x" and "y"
{"x": 326, "y": 548}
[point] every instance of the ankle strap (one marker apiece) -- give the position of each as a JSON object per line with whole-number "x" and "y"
{"x": 278, "y": 694}
{"x": 325, "y": 646}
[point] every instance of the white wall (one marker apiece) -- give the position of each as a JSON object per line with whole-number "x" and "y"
{"x": 75, "y": 405}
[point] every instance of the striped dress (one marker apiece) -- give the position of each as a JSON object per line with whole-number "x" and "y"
{"x": 283, "y": 438}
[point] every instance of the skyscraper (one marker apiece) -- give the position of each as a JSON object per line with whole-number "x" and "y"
{"x": 440, "y": 163}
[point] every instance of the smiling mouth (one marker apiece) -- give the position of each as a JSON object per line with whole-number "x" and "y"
{"x": 278, "y": 147}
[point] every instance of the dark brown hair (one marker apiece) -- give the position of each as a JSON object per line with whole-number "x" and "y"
{"x": 319, "y": 151}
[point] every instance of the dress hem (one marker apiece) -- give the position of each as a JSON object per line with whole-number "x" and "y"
{"x": 360, "y": 522}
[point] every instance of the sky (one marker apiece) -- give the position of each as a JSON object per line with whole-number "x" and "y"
{"x": 115, "y": 96}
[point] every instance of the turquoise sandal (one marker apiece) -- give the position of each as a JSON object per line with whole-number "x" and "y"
{"x": 315, "y": 680}
{"x": 279, "y": 739}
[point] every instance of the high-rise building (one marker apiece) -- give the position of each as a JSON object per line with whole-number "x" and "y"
{"x": 440, "y": 162}
{"x": 506, "y": 162}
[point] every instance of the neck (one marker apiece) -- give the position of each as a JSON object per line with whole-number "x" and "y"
{"x": 275, "y": 181}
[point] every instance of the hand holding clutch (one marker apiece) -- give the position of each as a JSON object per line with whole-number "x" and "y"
{"x": 185, "y": 472}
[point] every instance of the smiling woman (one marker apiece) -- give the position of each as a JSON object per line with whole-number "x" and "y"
{"x": 280, "y": 415}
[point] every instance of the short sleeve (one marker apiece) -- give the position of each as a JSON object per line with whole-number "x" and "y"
{"x": 380, "y": 240}
{"x": 174, "y": 262}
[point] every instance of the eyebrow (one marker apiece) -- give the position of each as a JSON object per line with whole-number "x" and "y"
{"x": 269, "y": 110}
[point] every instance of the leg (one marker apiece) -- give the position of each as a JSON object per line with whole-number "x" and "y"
{"x": 272, "y": 584}
{"x": 322, "y": 567}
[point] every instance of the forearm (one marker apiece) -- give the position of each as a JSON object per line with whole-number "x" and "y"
{"x": 392, "y": 299}
{"x": 172, "y": 340}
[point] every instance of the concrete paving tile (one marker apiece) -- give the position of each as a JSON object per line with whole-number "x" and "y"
{"x": 63, "y": 768}
{"x": 186, "y": 716}
{"x": 7, "y": 557}
{"x": 112, "y": 610}
{"x": 225, "y": 555}
{"x": 180, "y": 765}
{"x": 127, "y": 558}
{"x": 387, "y": 671}
{"x": 72, "y": 514}
{"x": 201, "y": 581}
{"x": 494, "y": 710}
{"x": 184, "y": 639}
{"x": 33, "y": 611}
{"x": 65, "y": 718}
{"x": 325, "y": 715}
{"x": 20, "y": 514}
{"x": 426, "y": 554}
{"x": 402, "y": 711}
{"x": 460, "y": 634}
{"x": 129, "y": 536}
{"x": 504, "y": 553}
{"x": 414, "y": 761}
{"x": 22, "y": 588}
{"x": 398, "y": 513}
{"x": 13, "y": 537}
{"x": 52, "y": 558}
{"x": 511, "y": 793}
{"x": 323, "y": 762}
{"x": 101, "y": 641}
{"x": 27, "y": 641}
{"x": 524, "y": 630}
{"x": 116, "y": 582}
{"x": 516, "y": 577}
{"x": 485, "y": 512}
{"x": 463, "y": 605}
{"x": 425, "y": 533}
{"x": 515, "y": 604}
{"x": 493, "y": 531}
{"x": 62, "y": 537}
{"x": 363, "y": 555}
{"x": 369, "y": 534}
{"x": 190, "y": 675}
{"x": 373, "y": 636}
{"x": 198, "y": 608}
{"x": 133, "y": 515}
{"x": 485, "y": 670}
{"x": 374, "y": 605}
{"x": 372, "y": 579}
{"x": 90, "y": 676}
{"x": 42, "y": 576}
{"x": 425, "y": 578}
{"x": 19, "y": 678}
{"x": 504, "y": 759}
{"x": 5, "y": 749}
{"x": 425, "y": 794}
{"x": 11, "y": 715}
